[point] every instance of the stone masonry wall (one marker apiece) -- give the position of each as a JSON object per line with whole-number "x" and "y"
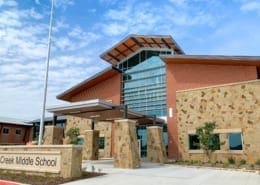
{"x": 85, "y": 124}
{"x": 234, "y": 108}
{"x": 53, "y": 135}
{"x": 155, "y": 146}
{"x": 90, "y": 145}
{"x": 126, "y": 146}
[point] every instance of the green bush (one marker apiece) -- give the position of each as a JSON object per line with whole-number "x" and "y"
{"x": 242, "y": 162}
{"x": 225, "y": 165}
{"x": 257, "y": 162}
{"x": 231, "y": 160}
{"x": 73, "y": 134}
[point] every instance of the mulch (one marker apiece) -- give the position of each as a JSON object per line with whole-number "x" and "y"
{"x": 41, "y": 180}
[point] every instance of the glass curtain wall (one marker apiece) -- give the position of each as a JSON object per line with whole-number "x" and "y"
{"x": 144, "y": 88}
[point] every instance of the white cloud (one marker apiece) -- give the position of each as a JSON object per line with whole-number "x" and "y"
{"x": 64, "y": 4}
{"x": 251, "y": 6}
{"x": 23, "y": 36}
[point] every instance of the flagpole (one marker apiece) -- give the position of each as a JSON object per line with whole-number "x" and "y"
{"x": 46, "y": 75}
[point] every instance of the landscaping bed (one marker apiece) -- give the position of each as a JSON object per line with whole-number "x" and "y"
{"x": 230, "y": 164}
{"x": 43, "y": 180}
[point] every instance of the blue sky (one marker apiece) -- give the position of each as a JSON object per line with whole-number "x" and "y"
{"x": 83, "y": 29}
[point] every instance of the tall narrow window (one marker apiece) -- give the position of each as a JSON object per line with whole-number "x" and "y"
{"x": 101, "y": 142}
{"x": 235, "y": 141}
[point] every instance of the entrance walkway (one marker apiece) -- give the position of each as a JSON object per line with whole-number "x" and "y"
{"x": 154, "y": 174}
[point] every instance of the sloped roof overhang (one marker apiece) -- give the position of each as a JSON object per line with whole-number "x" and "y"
{"x": 102, "y": 111}
{"x": 133, "y": 43}
{"x": 97, "y": 78}
{"x": 212, "y": 60}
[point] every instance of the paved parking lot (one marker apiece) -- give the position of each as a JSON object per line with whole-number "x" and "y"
{"x": 156, "y": 174}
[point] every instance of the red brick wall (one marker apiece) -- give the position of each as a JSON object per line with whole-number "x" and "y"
{"x": 108, "y": 89}
{"x": 188, "y": 76}
{"x": 11, "y": 137}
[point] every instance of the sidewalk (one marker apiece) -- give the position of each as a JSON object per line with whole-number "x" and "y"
{"x": 154, "y": 174}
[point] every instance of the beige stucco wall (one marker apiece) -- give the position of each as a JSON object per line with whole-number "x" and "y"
{"x": 104, "y": 127}
{"x": 234, "y": 108}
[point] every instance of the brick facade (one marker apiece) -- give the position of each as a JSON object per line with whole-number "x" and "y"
{"x": 25, "y": 134}
{"x": 108, "y": 89}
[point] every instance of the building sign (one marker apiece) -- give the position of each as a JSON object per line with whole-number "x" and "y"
{"x": 40, "y": 161}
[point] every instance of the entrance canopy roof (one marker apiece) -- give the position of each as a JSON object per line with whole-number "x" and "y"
{"x": 133, "y": 43}
{"x": 103, "y": 111}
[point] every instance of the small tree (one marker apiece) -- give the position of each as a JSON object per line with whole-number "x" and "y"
{"x": 73, "y": 134}
{"x": 208, "y": 140}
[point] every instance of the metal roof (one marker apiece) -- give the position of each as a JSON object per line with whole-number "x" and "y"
{"x": 133, "y": 43}
{"x": 212, "y": 59}
{"x": 101, "y": 110}
{"x": 49, "y": 119}
{"x": 14, "y": 121}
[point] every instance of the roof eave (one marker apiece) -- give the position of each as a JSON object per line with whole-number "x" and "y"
{"x": 64, "y": 95}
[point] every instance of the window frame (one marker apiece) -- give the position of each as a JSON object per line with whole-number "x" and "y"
{"x": 18, "y": 129}
{"x": 8, "y": 130}
{"x": 189, "y": 143}
{"x": 241, "y": 138}
{"x": 101, "y": 140}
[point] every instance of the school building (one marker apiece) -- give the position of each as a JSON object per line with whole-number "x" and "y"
{"x": 151, "y": 81}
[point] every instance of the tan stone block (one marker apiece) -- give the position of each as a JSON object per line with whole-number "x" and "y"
{"x": 156, "y": 151}
{"x": 126, "y": 147}
{"x": 90, "y": 145}
{"x": 53, "y": 135}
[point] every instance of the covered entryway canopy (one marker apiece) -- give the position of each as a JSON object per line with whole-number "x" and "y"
{"x": 103, "y": 111}
{"x": 125, "y": 142}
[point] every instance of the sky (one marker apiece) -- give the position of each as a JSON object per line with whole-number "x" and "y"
{"x": 84, "y": 29}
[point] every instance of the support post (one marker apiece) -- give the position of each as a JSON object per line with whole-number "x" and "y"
{"x": 156, "y": 151}
{"x": 90, "y": 145}
{"x": 54, "y": 120}
{"x": 126, "y": 153}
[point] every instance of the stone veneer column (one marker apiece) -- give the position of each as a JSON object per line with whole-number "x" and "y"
{"x": 155, "y": 146}
{"x": 53, "y": 135}
{"x": 90, "y": 145}
{"x": 125, "y": 144}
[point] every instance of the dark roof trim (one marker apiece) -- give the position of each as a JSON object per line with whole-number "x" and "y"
{"x": 221, "y": 59}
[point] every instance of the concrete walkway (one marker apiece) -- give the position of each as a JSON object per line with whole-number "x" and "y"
{"x": 156, "y": 174}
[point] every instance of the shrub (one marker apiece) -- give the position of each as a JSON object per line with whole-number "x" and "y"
{"x": 73, "y": 134}
{"x": 242, "y": 162}
{"x": 225, "y": 165}
{"x": 257, "y": 162}
{"x": 208, "y": 141}
{"x": 231, "y": 160}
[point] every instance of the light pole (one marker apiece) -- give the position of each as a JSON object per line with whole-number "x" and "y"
{"x": 46, "y": 75}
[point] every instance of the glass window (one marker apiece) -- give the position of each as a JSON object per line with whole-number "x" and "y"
{"x": 80, "y": 141}
{"x": 5, "y": 130}
{"x": 217, "y": 140}
{"x": 18, "y": 131}
{"x": 235, "y": 141}
{"x": 194, "y": 142}
{"x": 101, "y": 142}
